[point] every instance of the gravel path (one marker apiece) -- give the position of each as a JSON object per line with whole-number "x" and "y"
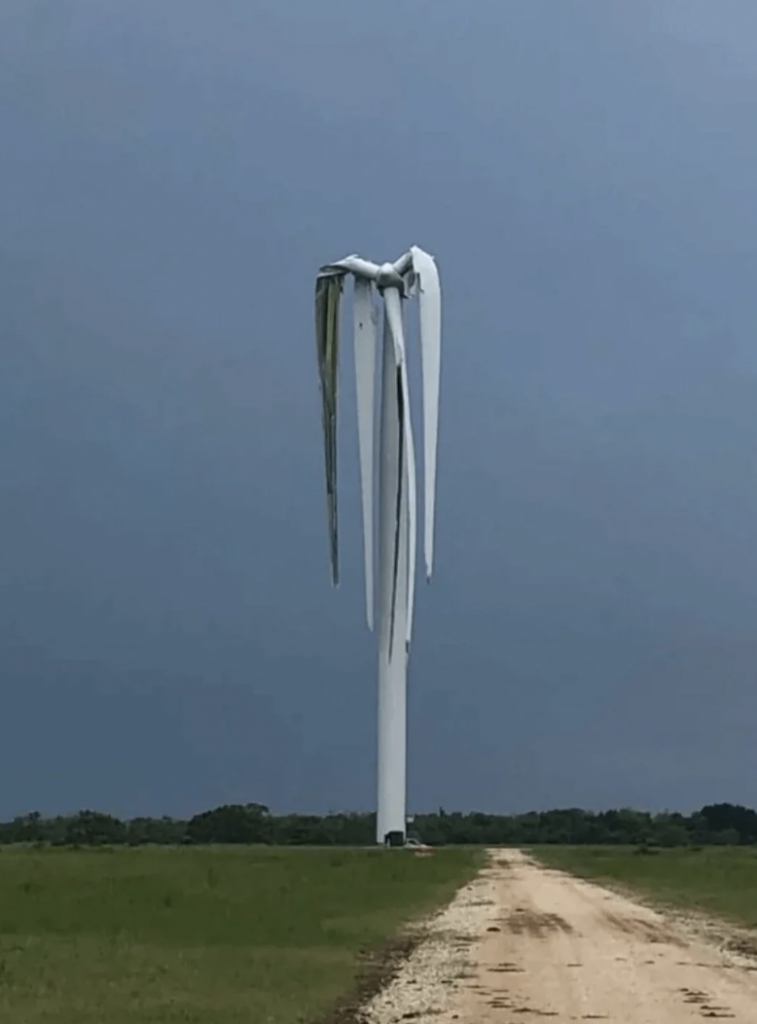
{"x": 523, "y": 941}
{"x": 428, "y": 982}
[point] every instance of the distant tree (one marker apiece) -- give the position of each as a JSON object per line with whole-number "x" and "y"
{"x": 92, "y": 828}
{"x": 156, "y": 831}
{"x": 232, "y": 823}
{"x": 253, "y": 823}
{"x": 722, "y": 817}
{"x": 26, "y": 828}
{"x": 726, "y": 837}
{"x": 670, "y": 833}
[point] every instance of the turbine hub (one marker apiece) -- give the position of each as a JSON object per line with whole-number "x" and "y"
{"x": 388, "y": 277}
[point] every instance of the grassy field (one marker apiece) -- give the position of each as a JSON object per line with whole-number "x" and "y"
{"x": 212, "y": 936}
{"x": 720, "y": 880}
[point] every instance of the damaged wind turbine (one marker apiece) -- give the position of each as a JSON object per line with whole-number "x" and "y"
{"x": 413, "y": 274}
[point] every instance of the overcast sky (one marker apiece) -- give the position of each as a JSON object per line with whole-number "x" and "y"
{"x": 172, "y": 174}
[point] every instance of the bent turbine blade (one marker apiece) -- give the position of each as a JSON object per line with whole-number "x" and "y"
{"x": 412, "y": 512}
{"x": 398, "y": 507}
{"x": 406, "y": 477}
{"x": 429, "y": 288}
{"x": 355, "y": 265}
{"x": 365, "y": 340}
{"x": 393, "y": 308}
{"x": 328, "y": 290}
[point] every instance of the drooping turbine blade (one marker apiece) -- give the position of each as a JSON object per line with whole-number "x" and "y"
{"x": 406, "y": 476}
{"x": 365, "y": 325}
{"x": 393, "y": 307}
{"x": 355, "y": 265}
{"x": 412, "y": 512}
{"x": 404, "y": 263}
{"x": 427, "y": 279}
{"x": 398, "y": 508}
{"x": 328, "y": 290}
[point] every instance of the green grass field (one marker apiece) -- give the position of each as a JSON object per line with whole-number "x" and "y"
{"x": 213, "y": 936}
{"x": 719, "y": 880}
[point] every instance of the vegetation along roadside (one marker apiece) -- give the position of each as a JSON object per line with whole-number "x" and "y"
{"x": 210, "y": 935}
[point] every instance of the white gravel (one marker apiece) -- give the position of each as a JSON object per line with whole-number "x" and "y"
{"x": 427, "y": 981}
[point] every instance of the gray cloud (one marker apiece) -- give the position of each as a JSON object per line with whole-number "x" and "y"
{"x": 171, "y": 180}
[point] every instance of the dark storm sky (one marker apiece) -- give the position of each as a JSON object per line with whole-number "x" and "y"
{"x": 172, "y": 174}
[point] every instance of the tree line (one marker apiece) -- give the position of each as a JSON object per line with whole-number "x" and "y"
{"x": 725, "y": 824}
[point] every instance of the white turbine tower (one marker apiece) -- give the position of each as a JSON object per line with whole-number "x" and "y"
{"x": 413, "y": 274}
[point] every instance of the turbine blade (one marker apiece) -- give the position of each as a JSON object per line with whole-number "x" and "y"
{"x": 365, "y": 323}
{"x": 393, "y": 307}
{"x": 429, "y": 288}
{"x": 406, "y": 512}
{"x": 355, "y": 265}
{"x": 403, "y": 264}
{"x": 328, "y": 290}
{"x": 401, "y": 484}
{"x": 412, "y": 499}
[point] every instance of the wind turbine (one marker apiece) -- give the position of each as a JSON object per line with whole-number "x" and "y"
{"x": 413, "y": 275}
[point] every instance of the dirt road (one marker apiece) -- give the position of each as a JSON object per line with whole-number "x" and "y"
{"x": 551, "y": 946}
{"x": 573, "y": 951}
